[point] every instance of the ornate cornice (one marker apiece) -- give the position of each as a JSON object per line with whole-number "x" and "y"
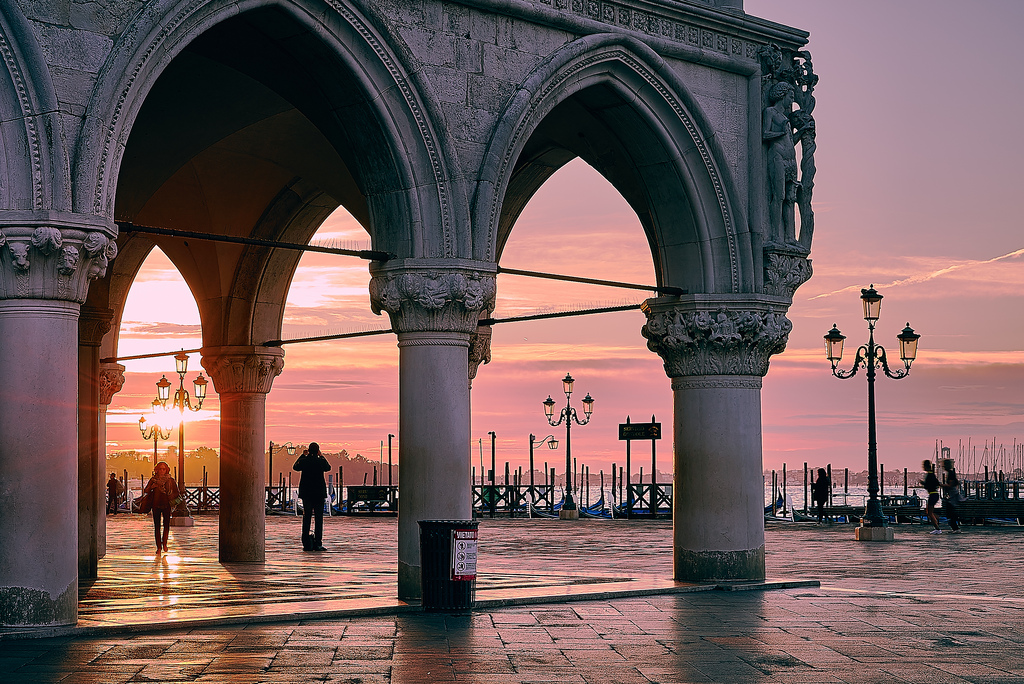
{"x": 243, "y": 369}
{"x": 784, "y": 271}
{"x": 111, "y": 381}
{"x": 699, "y": 338}
{"x": 433, "y": 295}
{"x": 701, "y": 29}
{"x": 48, "y": 262}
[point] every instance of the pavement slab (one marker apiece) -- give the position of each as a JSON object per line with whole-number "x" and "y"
{"x": 925, "y": 608}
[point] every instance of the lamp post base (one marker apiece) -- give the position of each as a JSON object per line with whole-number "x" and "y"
{"x": 183, "y": 521}
{"x": 571, "y": 514}
{"x": 882, "y": 534}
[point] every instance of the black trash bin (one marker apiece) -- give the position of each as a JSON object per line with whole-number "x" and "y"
{"x": 448, "y": 564}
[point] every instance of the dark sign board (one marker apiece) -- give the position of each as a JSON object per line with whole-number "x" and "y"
{"x": 366, "y": 493}
{"x": 639, "y": 430}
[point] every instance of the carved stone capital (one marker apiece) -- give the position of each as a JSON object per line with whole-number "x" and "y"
{"x": 433, "y": 295}
{"x": 479, "y": 350}
{"x": 243, "y": 369}
{"x": 111, "y": 381}
{"x": 713, "y": 336}
{"x": 784, "y": 271}
{"x": 52, "y": 262}
{"x": 93, "y": 324}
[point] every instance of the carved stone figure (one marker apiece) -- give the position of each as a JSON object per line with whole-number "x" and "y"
{"x": 19, "y": 256}
{"x": 68, "y": 260}
{"x": 47, "y": 240}
{"x": 782, "y": 169}
{"x": 803, "y": 122}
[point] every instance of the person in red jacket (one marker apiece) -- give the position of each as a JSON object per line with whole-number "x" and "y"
{"x": 165, "y": 496}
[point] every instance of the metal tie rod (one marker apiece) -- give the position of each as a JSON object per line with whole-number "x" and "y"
{"x": 660, "y": 289}
{"x": 369, "y": 254}
{"x": 368, "y": 333}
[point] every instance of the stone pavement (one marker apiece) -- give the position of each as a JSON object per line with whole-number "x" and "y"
{"x": 927, "y": 608}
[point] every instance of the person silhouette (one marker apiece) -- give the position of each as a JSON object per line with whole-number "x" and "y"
{"x": 931, "y": 485}
{"x": 313, "y": 492}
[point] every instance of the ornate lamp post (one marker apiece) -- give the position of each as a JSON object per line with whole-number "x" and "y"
{"x": 873, "y": 525}
{"x": 568, "y": 414}
{"x": 182, "y": 403}
{"x": 287, "y": 446}
{"x": 155, "y": 431}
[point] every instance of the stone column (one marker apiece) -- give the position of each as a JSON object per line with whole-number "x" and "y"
{"x": 93, "y": 324}
{"x": 435, "y": 306}
{"x": 242, "y": 377}
{"x": 44, "y": 275}
{"x": 111, "y": 382}
{"x": 716, "y": 351}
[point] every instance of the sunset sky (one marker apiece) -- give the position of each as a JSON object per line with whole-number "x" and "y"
{"x": 916, "y": 192}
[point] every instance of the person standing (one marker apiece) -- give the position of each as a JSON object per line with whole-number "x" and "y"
{"x": 820, "y": 489}
{"x": 931, "y": 485}
{"x": 165, "y": 495}
{"x": 114, "y": 489}
{"x": 313, "y": 492}
{"x": 952, "y": 498}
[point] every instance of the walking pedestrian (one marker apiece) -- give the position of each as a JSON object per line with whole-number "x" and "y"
{"x": 165, "y": 496}
{"x": 953, "y": 497}
{"x": 114, "y": 489}
{"x": 313, "y": 492}
{"x": 931, "y": 485}
{"x": 820, "y": 489}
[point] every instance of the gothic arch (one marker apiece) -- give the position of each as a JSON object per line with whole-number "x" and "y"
{"x": 643, "y": 116}
{"x": 412, "y": 203}
{"x": 33, "y": 170}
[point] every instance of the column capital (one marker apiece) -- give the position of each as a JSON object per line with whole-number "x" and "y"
{"x": 433, "y": 295}
{"x": 479, "y": 349}
{"x": 705, "y": 335}
{"x": 93, "y": 324}
{"x": 52, "y": 257}
{"x": 111, "y": 381}
{"x": 785, "y": 269}
{"x": 243, "y": 369}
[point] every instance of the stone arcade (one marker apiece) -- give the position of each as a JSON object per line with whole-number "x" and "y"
{"x": 433, "y": 122}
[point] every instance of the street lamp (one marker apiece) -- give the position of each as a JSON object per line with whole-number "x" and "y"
{"x": 183, "y": 403}
{"x": 568, "y": 414}
{"x": 287, "y": 446}
{"x": 534, "y": 443}
{"x": 872, "y": 356}
{"x": 155, "y": 431}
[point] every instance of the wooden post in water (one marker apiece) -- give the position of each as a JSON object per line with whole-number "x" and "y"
{"x": 905, "y": 490}
{"x": 881, "y": 480}
{"x": 551, "y": 501}
{"x": 629, "y": 477}
{"x": 805, "y": 486}
{"x": 784, "y": 500}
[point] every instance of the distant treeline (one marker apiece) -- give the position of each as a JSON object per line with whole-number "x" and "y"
{"x": 140, "y": 464}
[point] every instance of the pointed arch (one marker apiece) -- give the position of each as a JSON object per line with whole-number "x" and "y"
{"x": 663, "y": 154}
{"x": 413, "y": 200}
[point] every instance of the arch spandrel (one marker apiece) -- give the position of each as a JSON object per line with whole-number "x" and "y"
{"x": 33, "y": 166}
{"x": 412, "y": 199}
{"x": 667, "y": 164}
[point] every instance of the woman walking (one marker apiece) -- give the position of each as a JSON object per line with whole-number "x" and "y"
{"x": 164, "y": 493}
{"x": 931, "y": 485}
{"x": 313, "y": 492}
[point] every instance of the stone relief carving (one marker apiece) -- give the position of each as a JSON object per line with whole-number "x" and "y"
{"x": 433, "y": 300}
{"x": 111, "y": 382}
{"x": 479, "y": 349}
{"x": 244, "y": 371}
{"x": 655, "y": 20}
{"x": 68, "y": 263}
{"x": 788, "y": 79}
{"x": 93, "y": 324}
{"x": 715, "y": 342}
{"x": 19, "y": 256}
{"x": 784, "y": 272}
